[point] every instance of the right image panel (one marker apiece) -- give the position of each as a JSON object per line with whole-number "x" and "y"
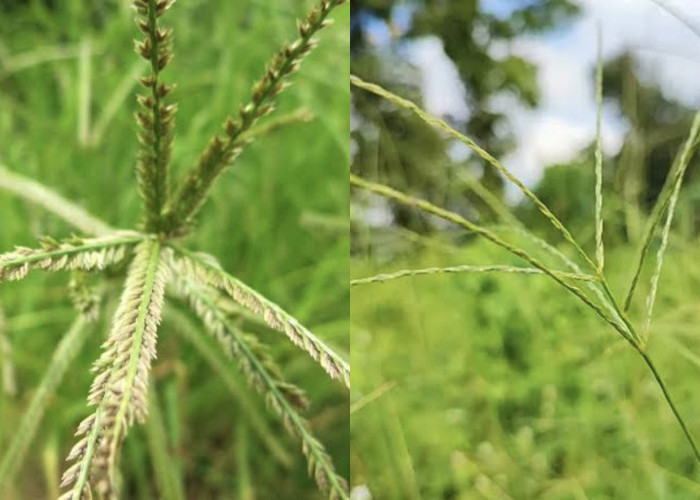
{"x": 525, "y": 213}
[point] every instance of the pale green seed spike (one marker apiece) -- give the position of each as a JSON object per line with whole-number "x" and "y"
{"x": 621, "y": 327}
{"x": 405, "y": 273}
{"x": 688, "y": 151}
{"x": 482, "y": 153}
{"x": 675, "y": 175}
{"x": 600, "y": 251}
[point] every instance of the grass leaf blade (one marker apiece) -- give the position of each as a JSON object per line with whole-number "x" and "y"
{"x": 53, "y": 202}
{"x": 66, "y": 351}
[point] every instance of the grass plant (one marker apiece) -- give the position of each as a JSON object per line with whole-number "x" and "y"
{"x": 590, "y": 286}
{"x": 154, "y": 258}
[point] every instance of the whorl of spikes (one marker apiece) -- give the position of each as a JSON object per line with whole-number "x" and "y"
{"x": 75, "y": 253}
{"x": 156, "y": 120}
{"x": 221, "y": 151}
{"x": 205, "y": 268}
{"x": 120, "y": 388}
{"x": 235, "y": 342}
{"x": 280, "y": 396}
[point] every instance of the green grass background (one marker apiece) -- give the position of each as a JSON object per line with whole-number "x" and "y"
{"x": 277, "y": 220}
{"x": 479, "y": 386}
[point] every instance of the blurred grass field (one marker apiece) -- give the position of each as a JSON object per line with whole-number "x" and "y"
{"x": 278, "y": 221}
{"x": 501, "y": 387}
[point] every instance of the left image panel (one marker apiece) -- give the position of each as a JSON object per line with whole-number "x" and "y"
{"x": 174, "y": 249}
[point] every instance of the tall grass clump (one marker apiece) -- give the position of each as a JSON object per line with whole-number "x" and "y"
{"x": 584, "y": 275}
{"x": 158, "y": 268}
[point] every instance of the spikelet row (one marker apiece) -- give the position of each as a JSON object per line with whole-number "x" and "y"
{"x": 204, "y": 268}
{"x": 76, "y": 253}
{"x": 221, "y": 152}
{"x": 120, "y": 388}
{"x": 280, "y": 396}
{"x": 204, "y": 302}
{"x": 156, "y": 121}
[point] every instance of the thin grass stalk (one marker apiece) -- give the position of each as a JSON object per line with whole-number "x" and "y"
{"x": 7, "y": 364}
{"x": 405, "y": 273}
{"x": 165, "y": 469}
{"x": 675, "y": 176}
{"x": 193, "y": 190}
{"x": 115, "y": 103}
{"x": 84, "y": 90}
{"x": 301, "y": 115}
{"x": 600, "y": 251}
{"x": 215, "y": 358}
{"x": 23, "y": 436}
{"x": 204, "y": 268}
{"x": 246, "y": 488}
{"x": 483, "y": 154}
{"x": 320, "y": 464}
{"x": 519, "y": 228}
{"x": 40, "y": 195}
{"x": 671, "y": 404}
{"x": 457, "y": 219}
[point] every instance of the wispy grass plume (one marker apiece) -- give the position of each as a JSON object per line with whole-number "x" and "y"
{"x": 606, "y": 306}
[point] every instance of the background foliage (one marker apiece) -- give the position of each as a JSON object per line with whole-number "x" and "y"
{"x": 67, "y": 86}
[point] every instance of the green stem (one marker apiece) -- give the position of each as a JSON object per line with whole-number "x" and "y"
{"x": 670, "y": 402}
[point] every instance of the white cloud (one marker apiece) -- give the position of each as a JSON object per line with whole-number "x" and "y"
{"x": 443, "y": 91}
{"x": 565, "y": 122}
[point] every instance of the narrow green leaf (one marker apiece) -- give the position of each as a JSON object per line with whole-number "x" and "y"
{"x": 23, "y": 435}
{"x": 167, "y": 475}
{"x": 44, "y": 197}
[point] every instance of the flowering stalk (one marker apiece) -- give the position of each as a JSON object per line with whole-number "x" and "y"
{"x": 221, "y": 152}
{"x": 156, "y": 122}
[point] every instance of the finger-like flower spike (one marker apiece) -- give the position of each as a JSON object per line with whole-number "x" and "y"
{"x": 191, "y": 193}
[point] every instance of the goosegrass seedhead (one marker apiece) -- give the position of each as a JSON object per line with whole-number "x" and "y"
{"x": 157, "y": 267}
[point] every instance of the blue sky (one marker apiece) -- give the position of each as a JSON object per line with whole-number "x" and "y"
{"x": 669, "y": 52}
